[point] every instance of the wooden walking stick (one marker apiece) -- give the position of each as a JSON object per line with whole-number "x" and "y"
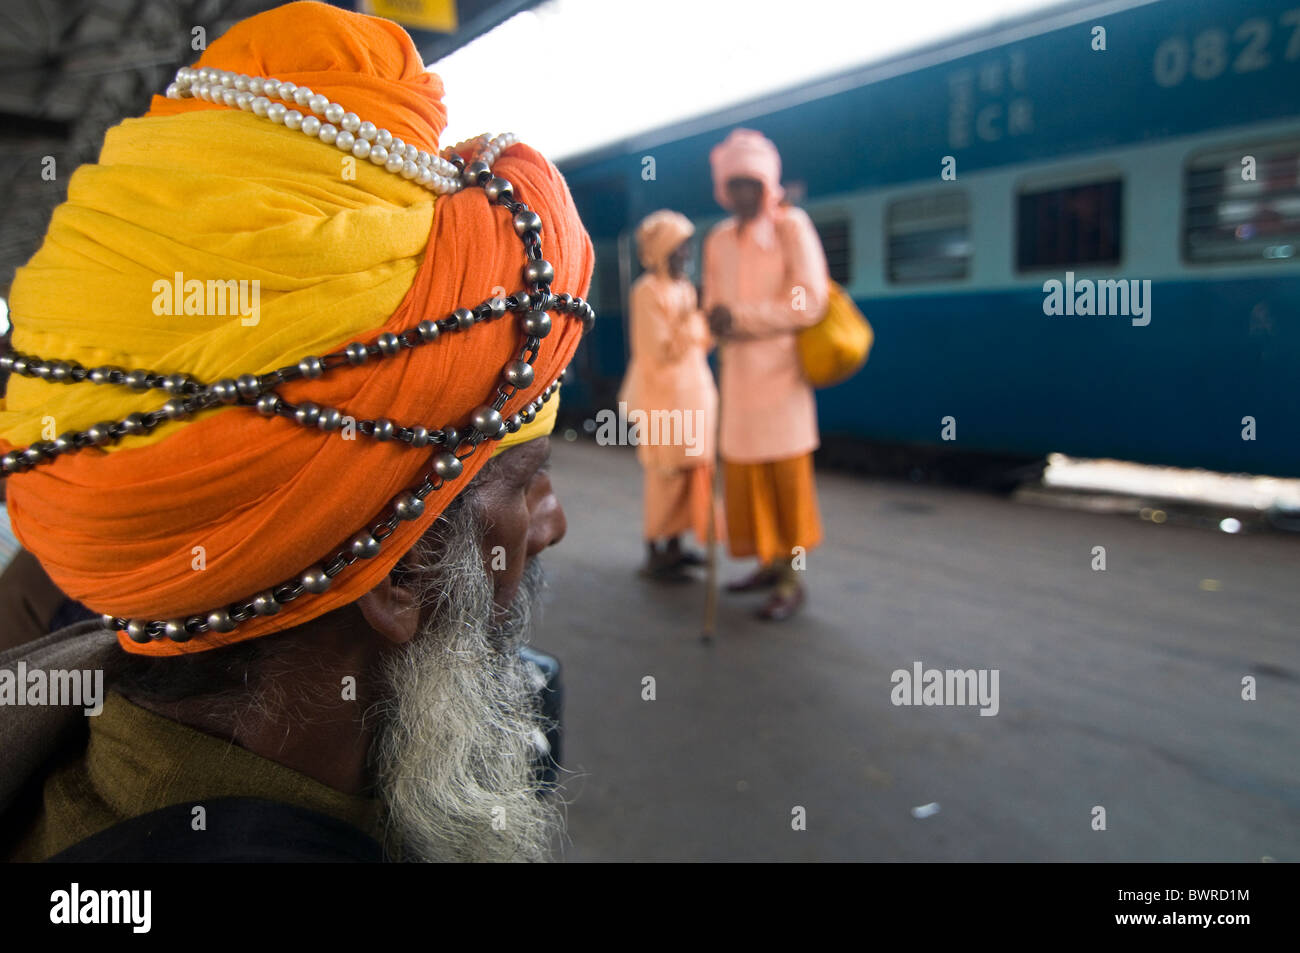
{"x": 711, "y": 594}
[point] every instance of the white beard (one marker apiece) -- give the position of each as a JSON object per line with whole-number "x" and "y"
{"x": 454, "y": 758}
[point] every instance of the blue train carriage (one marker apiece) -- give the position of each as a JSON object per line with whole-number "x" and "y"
{"x": 978, "y": 199}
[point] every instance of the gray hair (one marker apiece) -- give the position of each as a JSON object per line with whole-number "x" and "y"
{"x": 457, "y": 751}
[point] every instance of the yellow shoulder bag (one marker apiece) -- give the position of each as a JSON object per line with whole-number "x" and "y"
{"x": 836, "y": 347}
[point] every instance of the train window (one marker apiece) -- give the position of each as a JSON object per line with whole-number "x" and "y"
{"x": 839, "y": 252}
{"x": 1243, "y": 204}
{"x": 1077, "y": 225}
{"x": 928, "y": 237}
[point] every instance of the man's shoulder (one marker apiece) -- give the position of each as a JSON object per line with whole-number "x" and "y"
{"x": 793, "y": 217}
{"x": 646, "y": 287}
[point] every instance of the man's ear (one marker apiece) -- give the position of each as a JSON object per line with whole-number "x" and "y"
{"x": 392, "y": 611}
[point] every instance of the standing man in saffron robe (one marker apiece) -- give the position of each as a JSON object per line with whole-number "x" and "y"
{"x": 669, "y": 375}
{"x": 765, "y": 279}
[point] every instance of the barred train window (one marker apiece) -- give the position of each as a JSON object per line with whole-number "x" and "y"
{"x": 928, "y": 238}
{"x": 834, "y": 235}
{"x": 1078, "y": 225}
{"x": 1239, "y": 210}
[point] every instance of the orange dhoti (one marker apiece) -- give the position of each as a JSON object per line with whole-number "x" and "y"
{"x": 772, "y": 508}
{"x": 679, "y": 500}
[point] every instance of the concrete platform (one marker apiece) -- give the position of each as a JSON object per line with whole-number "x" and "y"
{"x": 1119, "y": 689}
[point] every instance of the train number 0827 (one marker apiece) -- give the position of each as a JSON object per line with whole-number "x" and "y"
{"x": 1211, "y": 51}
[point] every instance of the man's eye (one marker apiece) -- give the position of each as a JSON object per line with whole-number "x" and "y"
{"x": 542, "y": 471}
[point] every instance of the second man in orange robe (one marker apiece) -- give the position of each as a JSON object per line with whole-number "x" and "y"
{"x": 670, "y": 388}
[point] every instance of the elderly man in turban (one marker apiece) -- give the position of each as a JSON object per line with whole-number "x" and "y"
{"x": 765, "y": 279}
{"x": 282, "y": 508}
{"x": 669, "y": 384}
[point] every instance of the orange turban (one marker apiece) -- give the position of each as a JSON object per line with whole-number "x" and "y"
{"x": 209, "y": 511}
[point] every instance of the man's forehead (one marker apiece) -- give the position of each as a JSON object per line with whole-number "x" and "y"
{"x": 523, "y": 459}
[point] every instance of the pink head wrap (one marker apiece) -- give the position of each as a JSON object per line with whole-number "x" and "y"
{"x": 751, "y": 155}
{"x": 659, "y": 234}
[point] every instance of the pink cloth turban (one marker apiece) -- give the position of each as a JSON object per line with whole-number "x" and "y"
{"x": 659, "y": 234}
{"x": 751, "y": 155}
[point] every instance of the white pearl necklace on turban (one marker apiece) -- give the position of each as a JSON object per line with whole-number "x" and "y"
{"x": 331, "y": 124}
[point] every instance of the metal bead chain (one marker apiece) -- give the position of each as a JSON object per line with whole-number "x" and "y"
{"x": 407, "y": 505}
{"x": 191, "y": 396}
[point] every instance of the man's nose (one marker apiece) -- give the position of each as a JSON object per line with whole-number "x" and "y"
{"x": 547, "y": 524}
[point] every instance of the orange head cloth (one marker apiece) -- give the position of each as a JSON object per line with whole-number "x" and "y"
{"x": 342, "y": 254}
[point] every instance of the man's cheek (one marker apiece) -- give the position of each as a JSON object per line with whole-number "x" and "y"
{"x": 506, "y": 563}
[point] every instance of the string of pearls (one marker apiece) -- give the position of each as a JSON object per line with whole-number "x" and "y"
{"x": 486, "y": 147}
{"x": 282, "y": 103}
